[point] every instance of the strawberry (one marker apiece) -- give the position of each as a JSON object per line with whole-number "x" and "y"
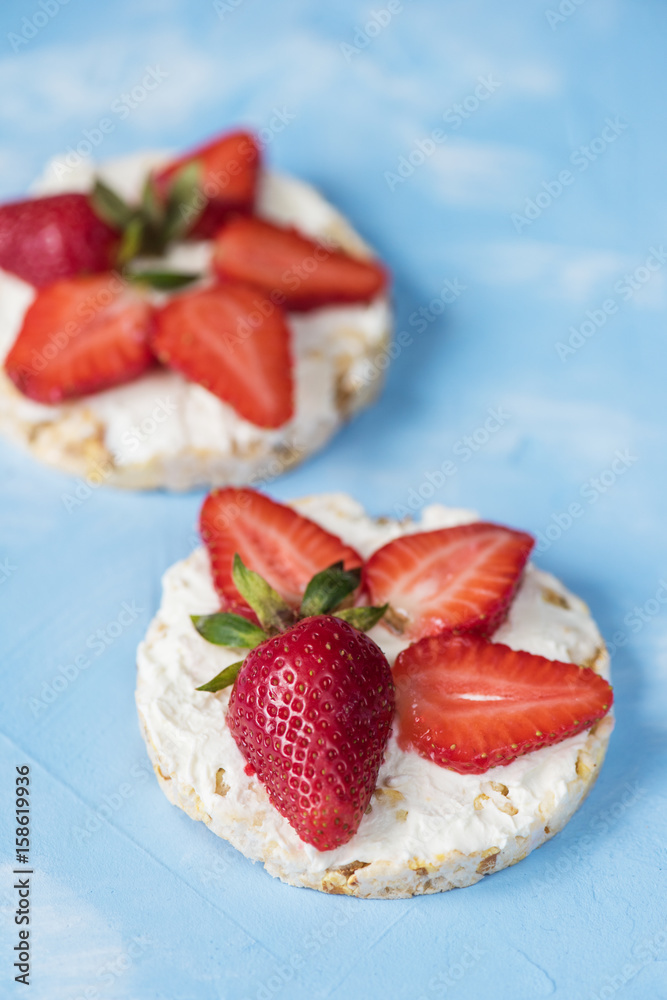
{"x": 312, "y": 703}
{"x": 229, "y": 172}
{"x": 235, "y": 343}
{"x": 81, "y": 336}
{"x": 460, "y": 579}
{"x": 295, "y": 271}
{"x": 274, "y": 540}
{"x": 311, "y": 712}
{"x": 469, "y": 704}
{"x": 46, "y": 239}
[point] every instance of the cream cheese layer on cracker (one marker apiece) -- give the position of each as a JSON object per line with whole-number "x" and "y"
{"x": 178, "y": 430}
{"x": 422, "y": 816}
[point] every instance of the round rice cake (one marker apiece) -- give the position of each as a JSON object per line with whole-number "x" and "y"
{"x": 427, "y": 828}
{"x": 163, "y": 431}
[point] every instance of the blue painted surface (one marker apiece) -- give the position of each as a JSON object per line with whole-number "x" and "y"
{"x": 131, "y": 898}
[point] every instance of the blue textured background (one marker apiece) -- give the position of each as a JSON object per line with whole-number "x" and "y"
{"x": 131, "y": 898}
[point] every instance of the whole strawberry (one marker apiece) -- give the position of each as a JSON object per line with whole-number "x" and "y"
{"x": 48, "y": 239}
{"x": 311, "y": 711}
{"x": 312, "y": 704}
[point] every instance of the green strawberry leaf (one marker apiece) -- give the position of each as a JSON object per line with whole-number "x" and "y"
{"x": 224, "y": 629}
{"x": 162, "y": 280}
{"x": 362, "y": 618}
{"x": 327, "y": 589}
{"x": 109, "y": 206}
{"x": 223, "y": 679}
{"x": 151, "y": 204}
{"x": 185, "y": 202}
{"x": 132, "y": 241}
{"x": 274, "y": 614}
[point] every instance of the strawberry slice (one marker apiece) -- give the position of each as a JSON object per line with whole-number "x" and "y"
{"x": 284, "y": 547}
{"x": 46, "y": 239}
{"x": 469, "y": 704}
{"x": 235, "y": 343}
{"x": 230, "y": 170}
{"x": 296, "y": 271}
{"x": 81, "y": 336}
{"x": 459, "y": 579}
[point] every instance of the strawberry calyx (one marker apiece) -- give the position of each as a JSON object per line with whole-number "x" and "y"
{"x": 329, "y": 592}
{"x": 157, "y": 221}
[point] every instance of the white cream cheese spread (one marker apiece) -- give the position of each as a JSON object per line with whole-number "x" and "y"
{"x": 420, "y": 810}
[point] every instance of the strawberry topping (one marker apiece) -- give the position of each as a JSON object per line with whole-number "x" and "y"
{"x": 81, "y": 336}
{"x": 469, "y": 704}
{"x": 235, "y": 343}
{"x": 461, "y": 578}
{"x": 285, "y": 547}
{"x": 47, "y": 239}
{"x": 229, "y": 172}
{"x": 293, "y": 270}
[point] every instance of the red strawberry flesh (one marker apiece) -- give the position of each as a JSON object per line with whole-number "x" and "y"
{"x": 81, "y": 336}
{"x": 280, "y": 544}
{"x": 43, "y": 240}
{"x": 469, "y": 704}
{"x": 230, "y": 170}
{"x": 235, "y": 343}
{"x": 311, "y": 712}
{"x": 295, "y": 271}
{"x": 461, "y": 578}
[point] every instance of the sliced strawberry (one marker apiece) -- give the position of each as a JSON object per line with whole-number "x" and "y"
{"x": 284, "y": 547}
{"x": 81, "y": 336}
{"x": 469, "y": 704}
{"x": 46, "y": 239}
{"x": 283, "y": 262}
{"x": 459, "y": 579}
{"x": 235, "y": 343}
{"x": 230, "y": 169}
